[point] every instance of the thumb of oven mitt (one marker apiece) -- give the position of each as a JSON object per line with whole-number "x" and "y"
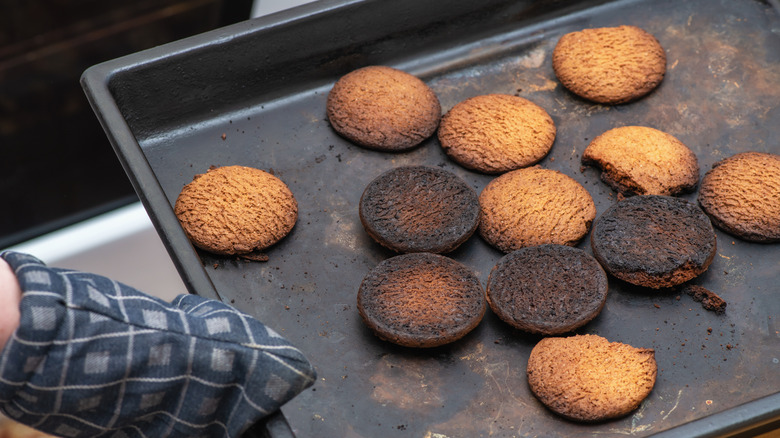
{"x": 93, "y": 357}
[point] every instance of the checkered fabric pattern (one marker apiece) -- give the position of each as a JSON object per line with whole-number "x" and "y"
{"x": 93, "y": 357}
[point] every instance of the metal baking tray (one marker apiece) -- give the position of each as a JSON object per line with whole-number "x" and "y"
{"x": 254, "y": 94}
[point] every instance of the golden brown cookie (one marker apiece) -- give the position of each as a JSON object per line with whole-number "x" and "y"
{"x": 236, "y": 210}
{"x": 547, "y": 289}
{"x": 654, "y": 241}
{"x": 421, "y": 300}
{"x": 496, "y": 133}
{"x": 609, "y": 65}
{"x": 741, "y": 194}
{"x": 534, "y": 206}
{"x": 383, "y": 108}
{"x": 587, "y": 378}
{"x": 637, "y": 160}
{"x": 419, "y": 209}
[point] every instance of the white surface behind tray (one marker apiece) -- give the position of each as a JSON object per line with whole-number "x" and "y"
{"x": 121, "y": 244}
{"x": 265, "y": 7}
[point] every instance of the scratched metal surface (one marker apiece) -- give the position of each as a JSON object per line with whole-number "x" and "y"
{"x": 720, "y": 97}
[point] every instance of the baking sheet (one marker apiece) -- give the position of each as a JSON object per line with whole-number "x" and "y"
{"x": 263, "y": 85}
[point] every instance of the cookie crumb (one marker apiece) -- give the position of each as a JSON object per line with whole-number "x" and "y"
{"x": 708, "y": 299}
{"x": 255, "y": 256}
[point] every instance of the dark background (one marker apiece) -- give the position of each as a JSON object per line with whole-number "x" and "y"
{"x": 56, "y": 164}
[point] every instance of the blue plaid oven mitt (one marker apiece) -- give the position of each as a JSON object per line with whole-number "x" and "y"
{"x": 93, "y": 357}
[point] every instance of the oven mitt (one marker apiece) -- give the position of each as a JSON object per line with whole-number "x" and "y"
{"x": 93, "y": 357}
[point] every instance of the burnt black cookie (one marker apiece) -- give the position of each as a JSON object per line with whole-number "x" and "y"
{"x": 547, "y": 289}
{"x": 421, "y": 300}
{"x": 654, "y": 241}
{"x": 419, "y": 209}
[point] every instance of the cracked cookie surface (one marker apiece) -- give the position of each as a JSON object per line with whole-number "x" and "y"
{"x": 534, "y": 206}
{"x": 496, "y": 133}
{"x": 383, "y": 108}
{"x": 638, "y": 160}
{"x": 236, "y": 210}
{"x": 588, "y": 378}
{"x": 609, "y": 65}
{"x": 741, "y": 194}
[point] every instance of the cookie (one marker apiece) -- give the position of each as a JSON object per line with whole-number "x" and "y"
{"x": 637, "y": 160}
{"x": 419, "y": 209}
{"x": 421, "y": 300}
{"x": 383, "y": 108}
{"x": 496, "y": 133}
{"x": 609, "y": 65}
{"x": 534, "y": 206}
{"x": 741, "y": 194}
{"x": 547, "y": 289}
{"x": 236, "y": 210}
{"x": 587, "y": 378}
{"x": 654, "y": 241}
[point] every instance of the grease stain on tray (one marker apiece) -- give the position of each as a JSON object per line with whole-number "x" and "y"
{"x": 406, "y": 387}
{"x": 342, "y": 230}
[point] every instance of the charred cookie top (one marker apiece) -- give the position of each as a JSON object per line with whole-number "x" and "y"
{"x": 534, "y": 206}
{"x": 383, "y": 108}
{"x": 236, "y": 210}
{"x": 609, "y": 65}
{"x": 654, "y": 241}
{"x": 638, "y": 160}
{"x": 547, "y": 289}
{"x": 421, "y": 300}
{"x": 588, "y": 378}
{"x": 496, "y": 133}
{"x": 741, "y": 194}
{"x": 419, "y": 209}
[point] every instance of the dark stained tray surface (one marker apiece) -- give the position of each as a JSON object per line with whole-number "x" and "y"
{"x": 166, "y": 111}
